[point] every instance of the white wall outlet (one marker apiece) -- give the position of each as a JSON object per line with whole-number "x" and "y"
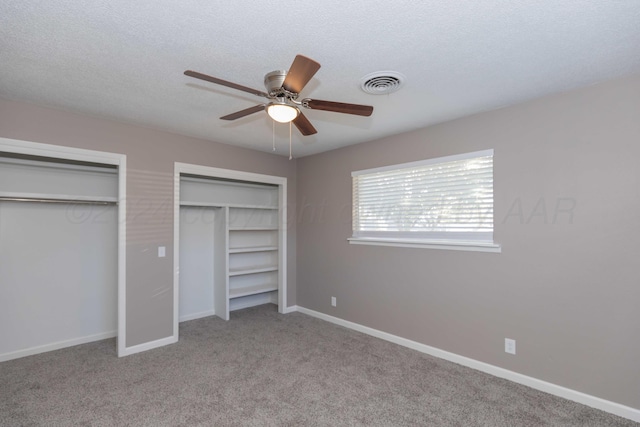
{"x": 162, "y": 251}
{"x": 333, "y": 301}
{"x": 510, "y": 346}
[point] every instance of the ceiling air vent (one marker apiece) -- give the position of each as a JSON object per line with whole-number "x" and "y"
{"x": 382, "y": 82}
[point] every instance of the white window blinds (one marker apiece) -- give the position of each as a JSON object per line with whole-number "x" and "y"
{"x": 444, "y": 199}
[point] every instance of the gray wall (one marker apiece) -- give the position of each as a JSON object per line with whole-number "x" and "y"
{"x": 566, "y": 285}
{"x": 150, "y": 158}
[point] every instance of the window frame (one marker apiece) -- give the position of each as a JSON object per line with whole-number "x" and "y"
{"x": 439, "y": 240}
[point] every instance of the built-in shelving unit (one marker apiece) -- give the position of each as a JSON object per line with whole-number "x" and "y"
{"x": 247, "y": 259}
{"x": 253, "y": 251}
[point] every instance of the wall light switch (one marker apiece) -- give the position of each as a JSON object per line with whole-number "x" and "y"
{"x": 333, "y": 301}
{"x": 162, "y": 252}
{"x": 510, "y": 346}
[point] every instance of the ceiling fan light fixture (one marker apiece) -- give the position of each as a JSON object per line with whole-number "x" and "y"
{"x": 282, "y": 113}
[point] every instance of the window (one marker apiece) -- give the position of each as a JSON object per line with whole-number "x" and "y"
{"x": 444, "y": 203}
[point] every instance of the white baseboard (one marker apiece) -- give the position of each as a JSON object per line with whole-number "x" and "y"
{"x": 291, "y": 309}
{"x": 148, "y": 346}
{"x": 195, "y": 316}
{"x": 56, "y": 346}
{"x": 566, "y": 393}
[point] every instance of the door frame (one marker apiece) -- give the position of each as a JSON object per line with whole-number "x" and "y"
{"x": 79, "y": 154}
{"x": 212, "y": 172}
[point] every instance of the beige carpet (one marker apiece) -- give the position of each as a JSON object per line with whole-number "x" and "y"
{"x": 266, "y": 369}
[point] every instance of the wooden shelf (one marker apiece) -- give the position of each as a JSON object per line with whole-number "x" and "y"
{"x": 253, "y": 249}
{"x": 252, "y": 270}
{"x": 252, "y": 290}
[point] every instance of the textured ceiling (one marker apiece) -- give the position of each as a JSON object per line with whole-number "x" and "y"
{"x": 124, "y": 60}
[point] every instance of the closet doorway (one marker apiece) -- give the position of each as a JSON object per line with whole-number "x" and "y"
{"x": 230, "y": 234}
{"x": 62, "y": 242}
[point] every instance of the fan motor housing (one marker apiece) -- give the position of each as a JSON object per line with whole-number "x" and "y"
{"x": 273, "y": 82}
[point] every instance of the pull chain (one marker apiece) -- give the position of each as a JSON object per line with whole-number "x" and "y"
{"x": 290, "y": 150}
{"x": 273, "y": 133}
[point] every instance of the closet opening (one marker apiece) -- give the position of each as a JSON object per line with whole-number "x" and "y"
{"x": 60, "y": 247}
{"x": 230, "y": 229}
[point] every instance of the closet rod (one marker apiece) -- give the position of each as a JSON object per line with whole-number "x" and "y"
{"x": 68, "y": 201}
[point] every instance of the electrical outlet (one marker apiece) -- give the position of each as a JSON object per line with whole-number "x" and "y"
{"x": 162, "y": 251}
{"x": 509, "y": 346}
{"x": 333, "y": 301}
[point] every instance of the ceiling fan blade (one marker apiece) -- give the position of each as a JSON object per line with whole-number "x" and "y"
{"x": 242, "y": 113}
{"x": 301, "y": 71}
{"x": 218, "y": 81}
{"x": 338, "y": 107}
{"x": 304, "y": 125}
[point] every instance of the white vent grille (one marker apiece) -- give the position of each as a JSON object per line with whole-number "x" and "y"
{"x": 382, "y": 82}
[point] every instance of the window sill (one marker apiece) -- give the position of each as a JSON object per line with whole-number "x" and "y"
{"x": 448, "y": 245}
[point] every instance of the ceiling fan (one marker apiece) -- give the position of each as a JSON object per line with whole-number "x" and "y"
{"x": 283, "y": 90}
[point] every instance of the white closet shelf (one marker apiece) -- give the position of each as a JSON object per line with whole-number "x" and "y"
{"x": 67, "y": 198}
{"x": 266, "y": 207}
{"x": 259, "y": 228}
{"x": 252, "y": 290}
{"x": 222, "y": 205}
{"x": 252, "y": 270}
{"x": 253, "y": 249}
